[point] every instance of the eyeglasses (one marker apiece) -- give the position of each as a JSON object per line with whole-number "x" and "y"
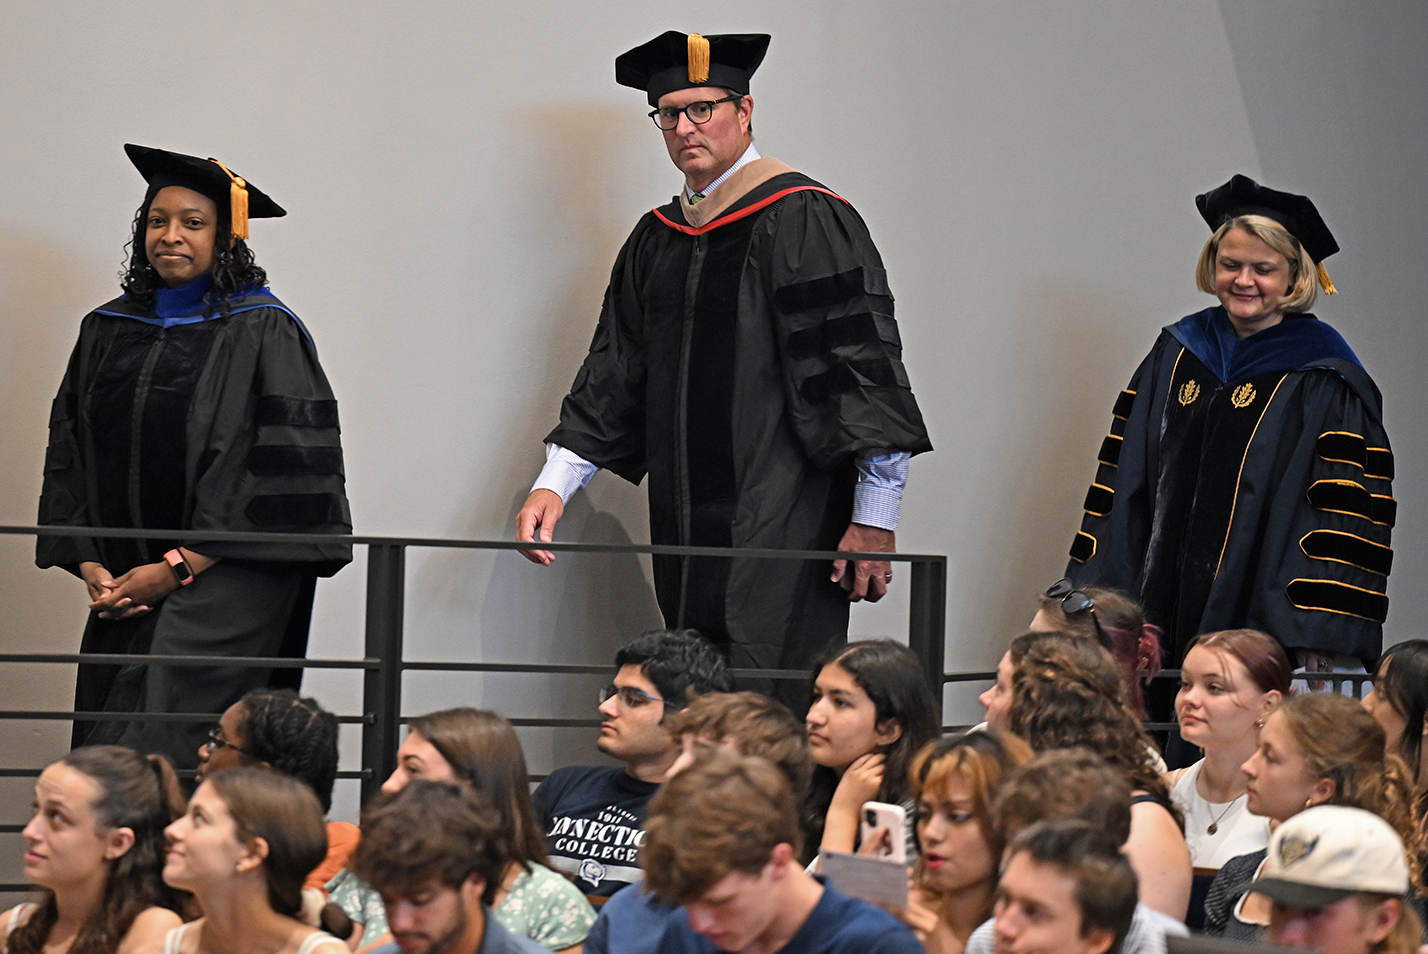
{"x": 667, "y": 117}
{"x": 216, "y": 741}
{"x": 630, "y": 697}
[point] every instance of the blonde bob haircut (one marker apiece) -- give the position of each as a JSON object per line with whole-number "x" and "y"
{"x": 1303, "y": 273}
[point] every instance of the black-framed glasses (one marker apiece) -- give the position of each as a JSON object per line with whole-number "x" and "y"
{"x": 630, "y": 697}
{"x": 216, "y": 741}
{"x": 667, "y": 117}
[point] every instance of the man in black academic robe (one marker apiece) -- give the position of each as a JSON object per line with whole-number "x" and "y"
{"x": 747, "y": 361}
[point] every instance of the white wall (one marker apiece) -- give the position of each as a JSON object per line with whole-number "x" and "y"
{"x": 459, "y": 177}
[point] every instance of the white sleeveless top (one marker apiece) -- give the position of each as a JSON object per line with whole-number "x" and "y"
{"x": 173, "y": 941}
{"x": 1237, "y": 832}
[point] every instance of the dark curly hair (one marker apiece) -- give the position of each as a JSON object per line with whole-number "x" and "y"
{"x": 234, "y": 268}
{"x": 1069, "y": 691}
{"x": 681, "y": 663}
{"x": 136, "y": 792}
{"x": 293, "y": 734}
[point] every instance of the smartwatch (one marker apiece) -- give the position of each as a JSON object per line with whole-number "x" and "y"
{"x": 184, "y": 572}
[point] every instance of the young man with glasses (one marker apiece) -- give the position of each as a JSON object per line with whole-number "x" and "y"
{"x": 593, "y": 815}
{"x": 747, "y": 360}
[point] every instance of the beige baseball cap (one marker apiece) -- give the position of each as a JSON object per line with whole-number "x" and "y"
{"x": 1329, "y": 852}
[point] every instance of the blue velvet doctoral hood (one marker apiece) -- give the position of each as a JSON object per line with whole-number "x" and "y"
{"x": 1295, "y": 342}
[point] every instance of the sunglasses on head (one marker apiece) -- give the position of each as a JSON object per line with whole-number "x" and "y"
{"x": 1072, "y": 599}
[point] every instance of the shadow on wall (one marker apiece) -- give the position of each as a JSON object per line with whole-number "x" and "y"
{"x": 44, "y": 610}
{"x": 583, "y": 607}
{"x": 1053, "y": 463}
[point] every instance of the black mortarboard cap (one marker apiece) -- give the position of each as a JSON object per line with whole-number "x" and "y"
{"x": 1243, "y": 196}
{"x": 209, "y": 177}
{"x": 675, "y": 60}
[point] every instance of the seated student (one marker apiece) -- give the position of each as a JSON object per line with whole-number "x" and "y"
{"x": 294, "y": 736}
{"x": 1068, "y": 691}
{"x": 1075, "y": 784}
{"x": 658, "y": 672}
{"x": 480, "y": 748}
{"x": 95, "y": 845}
{"x": 247, "y": 842}
{"x": 1336, "y": 878}
{"x": 722, "y": 840}
{"x": 738, "y": 723}
{"x": 954, "y": 781}
{"x": 1229, "y": 683}
{"x": 1317, "y": 748}
{"x": 872, "y": 712}
{"x": 1112, "y": 619}
{"x": 1398, "y": 702}
{"x": 436, "y": 853}
{"x": 1066, "y": 888}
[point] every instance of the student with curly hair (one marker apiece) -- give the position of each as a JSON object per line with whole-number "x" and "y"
{"x": 95, "y": 844}
{"x": 195, "y": 401}
{"x": 955, "y": 780}
{"x": 1399, "y": 702}
{"x": 1112, "y": 619}
{"x": 1318, "y": 748}
{"x": 1068, "y": 691}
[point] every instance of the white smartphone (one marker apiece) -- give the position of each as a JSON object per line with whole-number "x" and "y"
{"x": 891, "y": 817}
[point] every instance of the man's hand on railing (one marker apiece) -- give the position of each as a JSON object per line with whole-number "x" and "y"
{"x": 543, "y": 509}
{"x": 864, "y": 579}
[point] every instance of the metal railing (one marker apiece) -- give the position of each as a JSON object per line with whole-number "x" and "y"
{"x": 383, "y": 661}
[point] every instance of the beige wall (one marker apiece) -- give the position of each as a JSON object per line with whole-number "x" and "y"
{"x": 460, "y": 175}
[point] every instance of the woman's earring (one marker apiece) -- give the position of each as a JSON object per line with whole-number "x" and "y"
{"x": 1259, "y": 723}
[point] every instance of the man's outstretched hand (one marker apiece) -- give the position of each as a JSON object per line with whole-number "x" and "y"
{"x": 866, "y": 580}
{"x": 542, "y": 509}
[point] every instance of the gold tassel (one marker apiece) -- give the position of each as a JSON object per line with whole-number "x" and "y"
{"x": 698, "y": 58}
{"x": 1325, "y": 282}
{"x": 238, "y": 201}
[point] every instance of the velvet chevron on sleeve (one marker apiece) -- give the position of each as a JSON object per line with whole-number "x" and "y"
{"x": 1247, "y": 484}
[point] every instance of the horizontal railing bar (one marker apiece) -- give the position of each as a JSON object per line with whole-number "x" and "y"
{"x": 65, "y": 716}
{"x": 121, "y": 659}
{"x": 966, "y": 676}
{"x": 229, "y": 536}
{"x": 573, "y": 669}
{"x": 13, "y": 886}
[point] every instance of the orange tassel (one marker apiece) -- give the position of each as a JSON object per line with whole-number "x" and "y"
{"x": 1325, "y": 282}
{"x": 698, "y": 58}
{"x": 238, "y": 201}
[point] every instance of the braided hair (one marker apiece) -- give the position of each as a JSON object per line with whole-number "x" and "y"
{"x": 293, "y": 734}
{"x": 235, "y": 270}
{"x": 1069, "y": 691}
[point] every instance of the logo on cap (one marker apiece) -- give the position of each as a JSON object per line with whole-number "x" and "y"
{"x": 1293, "y": 848}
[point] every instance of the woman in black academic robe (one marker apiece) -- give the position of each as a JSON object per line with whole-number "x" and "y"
{"x": 194, "y": 401}
{"x": 1246, "y": 479}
